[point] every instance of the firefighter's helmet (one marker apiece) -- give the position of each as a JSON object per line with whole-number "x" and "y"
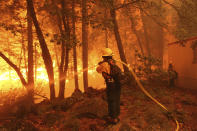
{"x": 107, "y": 52}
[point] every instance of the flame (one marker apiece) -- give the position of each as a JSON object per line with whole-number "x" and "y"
{"x": 41, "y": 74}
{"x": 10, "y": 75}
{"x": 10, "y": 79}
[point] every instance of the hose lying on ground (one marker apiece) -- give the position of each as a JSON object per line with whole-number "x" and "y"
{"x": 148, "y": 94}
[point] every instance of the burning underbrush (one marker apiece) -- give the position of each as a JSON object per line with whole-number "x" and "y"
{"x": 88, "y": 111}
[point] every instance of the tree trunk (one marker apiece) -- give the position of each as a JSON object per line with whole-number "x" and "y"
{"x": 45, "y": 52}
{"x": 61, "y": 72}
{"x": 133, "y": 28}
{"x": 85, "y": 45}
{"x": 145, "y": 34}
{"x": 66, "y": 57}
{"x": 35, "y": 61}
{"x": 62, "y": 87}
{"x": 62, "y": 80}
{"x": 136, "y": 34}
{"x": 106, "y": 33}
{"x": 30, "y": 76}
{"x": 194, "y": 55}
{"x": 20, "y": 58}
{"x": 118, "y": 38}
{"x": 75, "y": 68}
{"x": 74, "y": 47}
{"x": 56, "y": 55}
{"x": 160, "y": 44}
{"x": 160, "y": 39}
{"x": 24, "y": 51}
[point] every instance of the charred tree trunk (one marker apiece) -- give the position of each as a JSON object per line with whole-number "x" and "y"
{"x": 118, "y": 38}
{"x": 66, "y": 51}
{"x": 62, "y": 78}
{"x": 62, "y": 61}
{"x": 45, "y": 52}
{"x": 30, "y": 76}
{"x": 85, "y": 44}
{"x": 62, "y": 88}
{"x": 74, "y": 47}
{"x": 61, "y": 72}
{"x": 75, "y": 68}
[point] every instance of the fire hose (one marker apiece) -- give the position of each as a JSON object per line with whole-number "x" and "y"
{"x": 149, "y": 95}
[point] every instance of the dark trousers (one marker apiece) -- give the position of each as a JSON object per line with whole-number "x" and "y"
{"x": 113, "y": 100}
{"x": 172, "y": 83}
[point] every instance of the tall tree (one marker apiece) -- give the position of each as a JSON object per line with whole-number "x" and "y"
{"x": 144, "y": 25}
{"x": 85, "y": 44}
{"x": 153, "y": 24}
{"x": 160, "y": 32}
{"x": 106, "y": 32}
{"x": 62, "y": 78}
{"x": 64, "y": 30}
{"x": 66, "y": 24}
{"x": 45, "y": 52}
{"x": 74, "y": 47}
{"x": 30, "y": 76}
{"x": 117, "y": 35}
{"x": 133, "y": 26}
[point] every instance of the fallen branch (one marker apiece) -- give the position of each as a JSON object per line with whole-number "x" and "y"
{"x": 41, "y": 96}
{"x": 127, "y": 4}
{"x": 183, "y": 41}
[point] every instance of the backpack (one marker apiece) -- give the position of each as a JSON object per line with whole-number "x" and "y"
{"x": 116, "y": 73}
{"x": 173, "y": 74}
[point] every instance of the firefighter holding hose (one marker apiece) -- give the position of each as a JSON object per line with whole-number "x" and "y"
{"x": 113, "y": 78}
{"x": 112, "y": 75}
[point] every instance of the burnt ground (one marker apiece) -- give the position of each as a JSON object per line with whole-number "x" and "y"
{"x": 87, "y": 112}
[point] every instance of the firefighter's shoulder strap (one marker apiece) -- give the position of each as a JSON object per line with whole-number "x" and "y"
{"x": 115, "y": 71}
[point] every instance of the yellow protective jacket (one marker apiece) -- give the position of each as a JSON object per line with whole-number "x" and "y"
{"x": 103, "y": 67}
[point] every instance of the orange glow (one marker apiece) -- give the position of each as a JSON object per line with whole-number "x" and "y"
{"x": 41, "y": 74}
{"x": 9, "y": 76}
{"x": 10, "y": 79}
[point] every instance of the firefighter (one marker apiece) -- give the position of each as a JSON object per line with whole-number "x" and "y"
{"x": 173, "y": 75}
{"x": 112, "y": 75}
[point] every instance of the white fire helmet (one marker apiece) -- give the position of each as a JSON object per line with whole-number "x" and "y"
{"x": 107, "y": 52}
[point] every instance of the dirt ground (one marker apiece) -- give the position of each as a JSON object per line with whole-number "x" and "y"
{"x": 86, "y": 112}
